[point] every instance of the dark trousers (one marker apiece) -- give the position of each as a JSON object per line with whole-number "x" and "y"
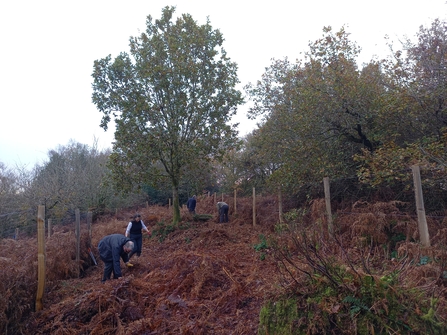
{"x": 223, "y": 213}
{"x": 108, "y": 269}
{"x": 138, "y": 240}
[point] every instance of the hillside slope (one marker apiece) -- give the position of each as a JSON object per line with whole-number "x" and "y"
{"x": 203, "y": 278}
{"x": 210, "y": 278}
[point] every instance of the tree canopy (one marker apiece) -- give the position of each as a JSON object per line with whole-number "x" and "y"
{"x": 326, "y": 115}
{"x": 172, "y": 98}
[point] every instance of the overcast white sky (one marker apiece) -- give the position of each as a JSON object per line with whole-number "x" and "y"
{"x": 48, "y": 49}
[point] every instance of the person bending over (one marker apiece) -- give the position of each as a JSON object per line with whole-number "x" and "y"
{"x": 111, "y": 248}
{"x": 223, "y": 211}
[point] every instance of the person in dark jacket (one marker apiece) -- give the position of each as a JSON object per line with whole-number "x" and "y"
{"x": 134, "y": 231}
{"x": 191, "y": 204}
{"x": 223, "y": 211}
{"x": 111, "y": 248}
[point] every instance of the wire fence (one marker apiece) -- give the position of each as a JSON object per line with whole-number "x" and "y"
{"x": 343, "y": 193}
{"x": 15, "y": 222}
{"x": 25, "y": 220}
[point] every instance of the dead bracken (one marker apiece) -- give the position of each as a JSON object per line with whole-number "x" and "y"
{"x": 202, "y": 277}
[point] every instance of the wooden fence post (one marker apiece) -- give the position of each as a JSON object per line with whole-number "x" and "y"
{"x": 254, "y": 207}
{"x": 89, "y": 227}
{"x": 49, "y": 228}
{"x": 16, "y": 236}
{"x": 78, "y": 240}
{"x": 327, "y": 198}
{"x": 222, "y": 197}
{"x": 422, "y": 220}
{"x": 40, "y": 256}
{"x": 280, "y": 204}
{"x": 235, "y": 202}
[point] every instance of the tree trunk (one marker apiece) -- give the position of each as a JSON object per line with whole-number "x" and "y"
{"x": 175, "y": 206}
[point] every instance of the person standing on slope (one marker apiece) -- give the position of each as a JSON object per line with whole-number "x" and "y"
{"x": 134, "y": 231}
{"x": 191, "y": 204}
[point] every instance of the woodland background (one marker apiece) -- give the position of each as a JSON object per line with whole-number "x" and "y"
{"x": 361, "y": 125}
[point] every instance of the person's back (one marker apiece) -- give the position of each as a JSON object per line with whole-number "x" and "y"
{"x": 111, "y": 249}
{"x": 111, "y": 245}
{"x": 220, "y": 204}
{"x": 191, "y": 204}
{"x": 223, "y": 211}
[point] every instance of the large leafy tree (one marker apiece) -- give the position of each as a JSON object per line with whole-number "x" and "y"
{"x": 320, "y": 111}
{"x": 418, "y": 77}
{"x": 172, "y": 98}
{"x": 342, "y": 100}
{"x": 423, "y": 77}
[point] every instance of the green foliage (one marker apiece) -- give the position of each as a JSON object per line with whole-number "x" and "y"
{"x": 172, "y": 108}
{"x": 416, "y": 108}
{"x": 327, "y": 116}
{"x": 356, "y": 305}
{"x": 379, "y": 306}
{"x": 295, "y": 214}
{"x": 335, "y": 298}
{"x": 158, "y": 195}
{"x": 278, "y": 317}
{"x": 424, "y": 260}
{"x": 317, "y": 113}
{"x": 389, "y": 167}
{"x": 261, "y": 247}
{"x": 253, "y": 166}
{"x": 202, "y": 217}
{"x": 389, "y": 163}
{"x": 184, "y": 226}
{"x": 281, "y": 227}
{"x": 162, "y": 231}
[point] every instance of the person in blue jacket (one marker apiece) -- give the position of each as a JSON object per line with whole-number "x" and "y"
{"x": 191, "y": 204}
{"x": 134, "y": 231}
{"x": 111, "y": 248}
